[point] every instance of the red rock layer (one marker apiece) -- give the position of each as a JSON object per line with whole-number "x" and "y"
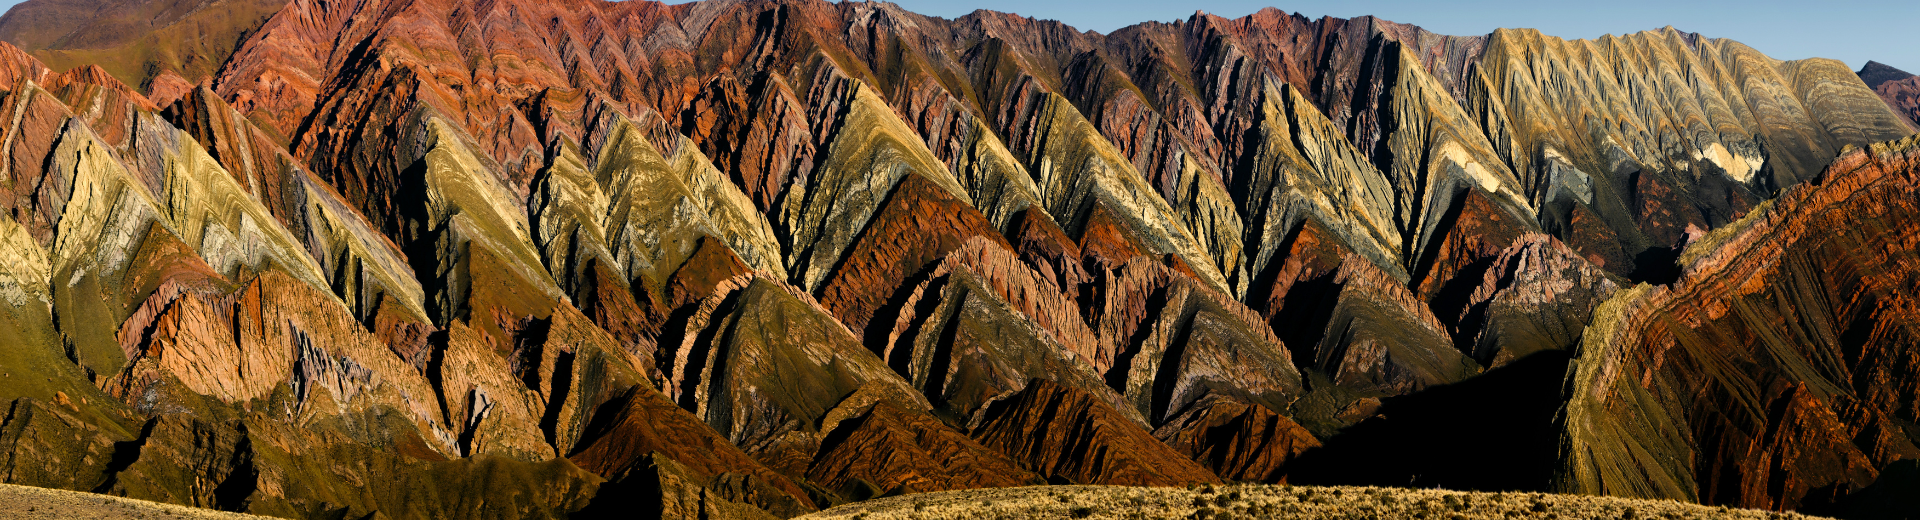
{"x": 1047, "y": 250}
{"x": 1296, "y": 296}
{"x": 1116, "y": 165}
{"x": 1769, "y": 372}
{"x": 1903, "y": 96}
{"x": 1477, "y": 234}
{"x": 1238, "y": 441}
{"x": 703, "y": 273}
{"x": 920, "y": 223}
{"x": 1068, "y": 436}
{"x": 759, "y": 134}
{"x": 889, "y": 451}
{"x": 626, "y": 429}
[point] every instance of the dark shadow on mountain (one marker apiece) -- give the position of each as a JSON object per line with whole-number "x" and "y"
{"x": 1893, "y": 496}
{"x": 1656, "y": 265}
{"x": 1494, "y": 432}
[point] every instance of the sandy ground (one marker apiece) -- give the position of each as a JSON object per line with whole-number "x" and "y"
{"x": 1263, "y": 501}
{"x": 23, "y": 502}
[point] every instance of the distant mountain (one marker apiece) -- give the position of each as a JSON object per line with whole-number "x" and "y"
{"x": 740, "y": 259}
{"x": 1875, "y": 74}
{"x": 1900, "y": 89}
{"x": 136, "y": 40}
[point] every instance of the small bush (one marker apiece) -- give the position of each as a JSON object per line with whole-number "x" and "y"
{"x": 1081, "y": 512}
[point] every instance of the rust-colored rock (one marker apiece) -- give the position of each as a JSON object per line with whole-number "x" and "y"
{"x": 1066, "y": 435}
{"x": 888, "y": 450}
{"x": 1237, "y": 440}
{"x": 627, "y": 429}
{"x": 1812, "y": 283}
{"x": 741, "y": 259}
{"x": 919, "y": 224}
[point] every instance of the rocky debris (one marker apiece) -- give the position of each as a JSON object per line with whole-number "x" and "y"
{"x": 42, "y": 503}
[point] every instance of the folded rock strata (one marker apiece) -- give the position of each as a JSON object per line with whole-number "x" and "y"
{"x": 752, "y": 259}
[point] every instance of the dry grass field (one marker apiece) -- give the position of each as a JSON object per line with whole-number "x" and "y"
{"x": 22, "y": 502}
{"x": 1264, "y": 501}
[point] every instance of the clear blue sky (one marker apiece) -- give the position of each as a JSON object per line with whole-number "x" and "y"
{"x": 1851, "y": 31}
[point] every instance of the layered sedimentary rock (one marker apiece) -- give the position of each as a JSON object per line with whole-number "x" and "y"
{"x": 1776, "y": 371}
{"x": 1237, "y": 440}
{"x": 1066, "y": 435}
{"x": 752, "y": 259}
{"x": 919, "y": 455}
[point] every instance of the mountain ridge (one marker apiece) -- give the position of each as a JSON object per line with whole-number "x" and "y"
{"x": 723, "y": 258}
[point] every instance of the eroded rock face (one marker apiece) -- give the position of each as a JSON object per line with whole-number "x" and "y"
{"x": 1046, "y": 426}
{"x": 750, "y": 259}
{"x": 890, "y": 451}
{"x": 1237, "y": 440}
{"x": 1791, "y": 322}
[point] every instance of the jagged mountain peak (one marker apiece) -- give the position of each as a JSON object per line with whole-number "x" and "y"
{"x": 1875, "y": 74}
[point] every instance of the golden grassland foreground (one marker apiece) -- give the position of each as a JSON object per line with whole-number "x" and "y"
{"x": 1272, "y": 501}
{"x": 32, "y": 503}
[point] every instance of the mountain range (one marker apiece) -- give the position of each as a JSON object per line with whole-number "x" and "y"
{"x": 756, "y": 258}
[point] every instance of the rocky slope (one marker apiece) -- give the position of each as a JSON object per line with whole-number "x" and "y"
{"x": 760, "y": 258}
{"x": 1786, "y": 334}
{"x": 165, "y": 46}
